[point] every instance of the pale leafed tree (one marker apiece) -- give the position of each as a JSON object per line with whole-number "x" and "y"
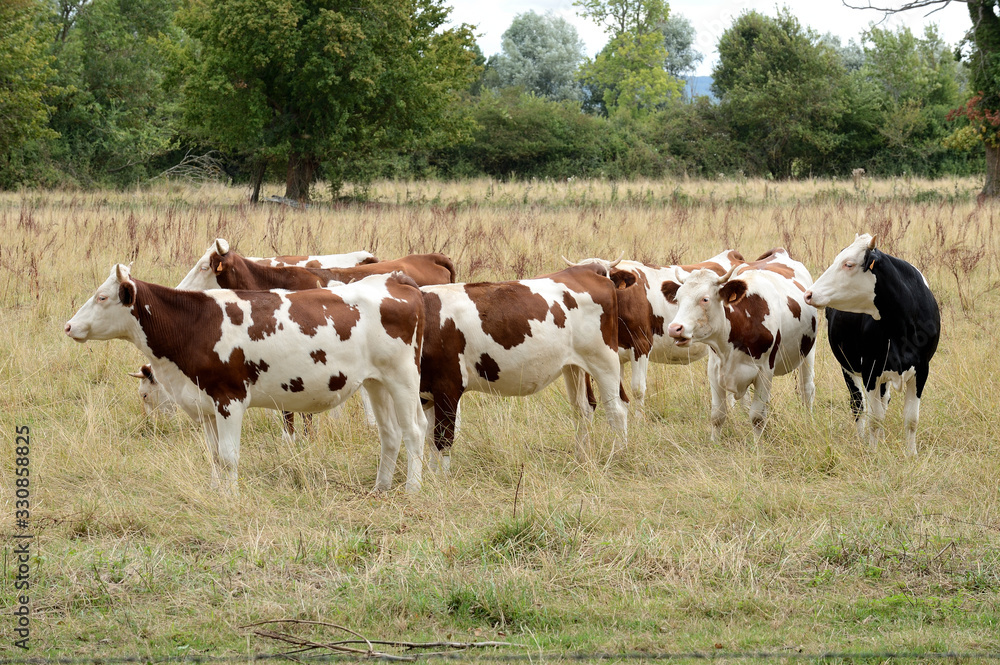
{"x": 541, "y": 53}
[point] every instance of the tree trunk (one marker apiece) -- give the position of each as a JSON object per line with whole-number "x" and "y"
{"x": 259, "y": 169}
{"x": 301, "y": 171}
{"x": 992, "y": 187}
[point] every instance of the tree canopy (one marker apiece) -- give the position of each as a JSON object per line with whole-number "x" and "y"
{"x": 541, "y": 54}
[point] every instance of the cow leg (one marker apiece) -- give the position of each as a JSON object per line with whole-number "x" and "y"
{"x": 212, "y": 443}
{"x": 445, "y": 425}
{"x": 876, "y": 411}
{"x": 806, "y": 379}
{"x": 389, "y": 433}
{"x": 720, "y": 401}
{"x": 412, "y": 424}
{"x": 288, "y": 427}
{"x": 579, "y": 395}
{"x": 229, "y": 445}
{"x": 911, "y": 414}
{"x": 640, "y": 366}
{"x": 307, "y": 424}
{"x": 758, "y": 407}
{"x": 608, "y": 379}
{"x": 366, "y": 403}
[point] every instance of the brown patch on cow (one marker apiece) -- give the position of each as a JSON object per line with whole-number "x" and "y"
{"x": 569, "y": 300}
{"x": 399, "y": 312}
{"x": 635, "y": 316}
{"x": 558, "y": 315}
{"x": 184, "y": 327}
{"x": 735, "y": 257}
{"x": 706, "y": 265}
{"x": 589, "y": 278}
{"x": 441, "y": 374}
{"x": 313, "y": 264}
{"x": 506, "y": 310}
{"x": 766, "y": 261}
{"x": 234, "y": 313}
{"x": 488, "y": 368}
{"x": 424, "y": 269}
{"x": 774, "y": 350}
{"x": 806, "y": 345}
{"x": 287, "y": 259}
{"x": 254, "y": 370}
{"x": 337, "y": 382}
{"x": 669, "y": 290}
{"x": 289, "y": 419}
{"x": 814, "y": 323}
{"x": 746, "y": 319}
{"x": 770, "y": 255}
{"x": 263, "y": 307}
{"x": 801, "y": 288}
{"x": 313, "y": 309}
{"x": 794, "y": 307}
{"x": 318, "y": 356}
{"x": 296, "y": 385}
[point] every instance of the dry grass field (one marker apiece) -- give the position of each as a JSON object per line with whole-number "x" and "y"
{"x": 804, "y": 540}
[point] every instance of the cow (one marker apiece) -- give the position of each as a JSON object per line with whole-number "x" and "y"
{"x": 757, "y": 324}
{"x": 645, "y": 301}
{"x": 515, "y": 338}
{"x": 155, "y": 399}
{"x": 222, "y": 268}
{"x": 883, "y": 323}
{"x": 220, "y": 352}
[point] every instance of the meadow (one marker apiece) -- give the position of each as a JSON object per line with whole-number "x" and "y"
{"x": 804, "y": 541}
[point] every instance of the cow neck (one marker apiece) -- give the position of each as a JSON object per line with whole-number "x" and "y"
{"x": 170, "y": 318}
{"x": 894, "y": 296}
{"x": 257, "y": 276}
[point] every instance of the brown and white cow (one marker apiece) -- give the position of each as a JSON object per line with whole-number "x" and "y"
{"x": 758, "y": 326}
{"x": 221, "y": 352}
{"x": 645, "y": 303}
{"x": 515, "y": 338}
{"x": 221, "y": 268}
{"x": 156, "y": 400}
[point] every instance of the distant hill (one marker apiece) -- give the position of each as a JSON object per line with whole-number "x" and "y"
{"x": 695, "y": 86}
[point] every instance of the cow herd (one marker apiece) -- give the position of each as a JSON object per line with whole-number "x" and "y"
{"x": 303, "y": 333}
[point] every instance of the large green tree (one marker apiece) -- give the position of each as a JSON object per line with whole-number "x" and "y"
{"x": 540, "y": 54}
{"x": 25, "y": 74}
{"x": 630, "y": 73}
{"x": 983, "y": 111}
{"x": 323, "y": 82}
{"x": 112, "y": 114}
{"x": 781, "y": 89}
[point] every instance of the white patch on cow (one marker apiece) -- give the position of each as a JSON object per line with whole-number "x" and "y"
{"x": 848, "y": 284}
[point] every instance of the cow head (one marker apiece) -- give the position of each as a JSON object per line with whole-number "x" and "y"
{"x": 154, "y": 398}
{"x": 700, "y": 299}
{"x": 107, "y": 315}
{"x": 849, "y": 284}
{"x": 205, "y": 273}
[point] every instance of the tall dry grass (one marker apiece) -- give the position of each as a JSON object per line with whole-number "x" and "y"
{"x": 805, "y": 538}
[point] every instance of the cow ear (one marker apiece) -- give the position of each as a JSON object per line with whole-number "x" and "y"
{"x": 221, "y": 246}
{"x": 622, "y": 278}
{"x": 147, "y": 372}
{"x": 669, "y": 290}
{"x": 871, "y": 258}
{"x": 218, "y": 263}
{"x": 126, "y": 293}
{"x": 733, "y": 291}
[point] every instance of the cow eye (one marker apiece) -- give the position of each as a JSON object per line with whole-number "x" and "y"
{"x": 849, "y": 264}
{"x": 204, "y": 267}
{"x": 705, "y": 299}
{"x": 101, "y": 298}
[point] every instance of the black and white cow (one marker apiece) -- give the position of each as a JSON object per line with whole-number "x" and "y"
{"x": 884, "y": 326}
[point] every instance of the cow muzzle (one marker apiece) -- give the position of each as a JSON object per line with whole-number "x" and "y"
{"x": 679, "y": 334}
{"x": 75, "y": 332}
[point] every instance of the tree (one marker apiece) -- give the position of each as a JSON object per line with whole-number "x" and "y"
{"x": 984, "y": 60}
{"x": 678, "y": 38}
{"x": 630, "y": 73}
{"x": 781, "y": 89}
{"x": 324, "y": 82}
{"x": 25, "y": 73}
{"x": 541, "y": 55}
{"x": 113, "y": 115}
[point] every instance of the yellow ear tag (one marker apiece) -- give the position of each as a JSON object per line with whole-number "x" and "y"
{"x": 218, "y": 269}
{"x": 872, "y": 266}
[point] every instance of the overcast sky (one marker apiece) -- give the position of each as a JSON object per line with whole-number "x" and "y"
{"x": 710, "y": 19}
